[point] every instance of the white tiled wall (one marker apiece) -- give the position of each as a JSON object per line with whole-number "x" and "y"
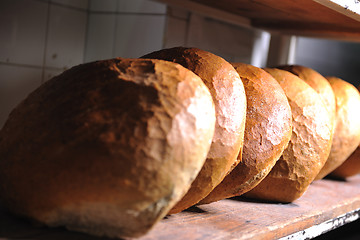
{"x": 41, "y": 38}
{"x": 103, "y": 5}
{"x": 234, "y": 43}
{"x": 177, "y": 25}
{"x": 79, "y": 4}
{"x": 38, "y": 40}
{"x": 140, "y": 6}
{"x": 144, "y": 33}
{"x": 23, "y": 32}
{"x": 124, "y": 28}
{"x": 231, "y": 42}
{"x": 65, "y": 37}
{"x": 15, "y": 83}
{"x": 101, "y": 36}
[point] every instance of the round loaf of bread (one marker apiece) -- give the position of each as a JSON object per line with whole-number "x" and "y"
{"x": 319, "y": 84}
{"x": 309, "y": 145}
{"x": 347, "y": 128}
{"x": 350, "y": 167}
{"x": 322, "y": 86}
{"x": 229, "y": 98}
{"x": 268, "y": 130}
{"x": 108, "y": 147}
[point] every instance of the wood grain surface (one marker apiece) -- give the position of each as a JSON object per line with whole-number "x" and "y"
{"x": 236, "y": 218}
{"x": 315, "y": 18}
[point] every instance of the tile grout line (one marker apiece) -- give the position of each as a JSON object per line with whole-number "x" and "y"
{"x": 46, "y": 43}
{"x": 30, "y": 66}
{"x": 115, "y": 31}
{"x": 86, "y": 31}
{"x": 63, "y": 5}
{"x": 187, "y": 29}
{"x": 126, "y": 13}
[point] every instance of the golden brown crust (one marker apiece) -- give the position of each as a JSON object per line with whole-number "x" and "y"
{"x": 309, "y": 145}
{"x": 347, "y": 128}
{"x": 318, "y": 83}
{"x": 229, "y": 97}
{"x": 350, "y": 167}
{"x": 107, "y": 147}
{"x": 267, "y": 133}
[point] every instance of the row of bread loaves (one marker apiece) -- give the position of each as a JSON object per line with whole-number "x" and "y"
{"x": 111, "y": 147}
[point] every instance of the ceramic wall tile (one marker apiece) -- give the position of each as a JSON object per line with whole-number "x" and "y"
{"x": 103, "y": 5}
{"x": 22, "y": 31}
{"x": 141, "y": 6}
{"x": 50, "y": 73}
{"x": 15, "y": 85}
{"x": 100, "y": 37}
{"x": 175, "y": 32}
{"x": 66, "y": 37}
{"x": 81, "y": 4}
{"x": 179, "y": 13}
{"x": 137, "y": 35}
{"x": 225, "y": 40}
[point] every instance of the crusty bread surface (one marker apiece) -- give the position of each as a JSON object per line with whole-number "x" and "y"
{"x": 347, "y": 128}
{"x": 309, "y": 145}
{"x": 108, "y": 147}
{"x": 319, "y": 83}
{"x": 350, "y": 167}
{"x": 268, "y": 130}
{"x": 229, "y": 98}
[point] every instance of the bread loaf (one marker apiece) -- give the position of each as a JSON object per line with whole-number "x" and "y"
{"x": 319, "y": 84}
{"x": 229, "y": 97}
{"x": 309, "y": 145}
{"x": 324, "y": 89}
{"x": 350, "y": 167}
{"x": 108, "y": 147}
{"x": 347, "y": 128}
{"x": 267, "y": 133}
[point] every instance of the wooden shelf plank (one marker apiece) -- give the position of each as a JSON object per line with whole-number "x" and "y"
{"x": 327, "y": 204}
{"x": 239, "y": 218}
{"x": 321, "y": 18}
{"x": 350, "y": 8}
{"x": 324, "y": 227}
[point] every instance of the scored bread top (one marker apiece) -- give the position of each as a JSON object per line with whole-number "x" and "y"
{"x": 229, "y": 98}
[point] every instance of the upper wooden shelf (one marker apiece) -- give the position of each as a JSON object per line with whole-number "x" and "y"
{"x": 338, "y": 19}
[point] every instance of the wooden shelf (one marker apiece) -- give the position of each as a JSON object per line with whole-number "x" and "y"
{"x": 339, "y": 19}
{"x": 326, "y": 205}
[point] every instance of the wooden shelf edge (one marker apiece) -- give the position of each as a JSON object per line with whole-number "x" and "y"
{"x": 347, "y": 8}
{"x": 209, "y": 11}
{"x": 346, "y": 11}
{"x": 326, "y": 205}
{"x": 325, "y": 227}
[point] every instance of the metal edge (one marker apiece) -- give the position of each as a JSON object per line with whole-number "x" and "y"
{"x": 324, "y": 227}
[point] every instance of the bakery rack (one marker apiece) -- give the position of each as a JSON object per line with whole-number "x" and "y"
{"x": 326, "y": 205}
